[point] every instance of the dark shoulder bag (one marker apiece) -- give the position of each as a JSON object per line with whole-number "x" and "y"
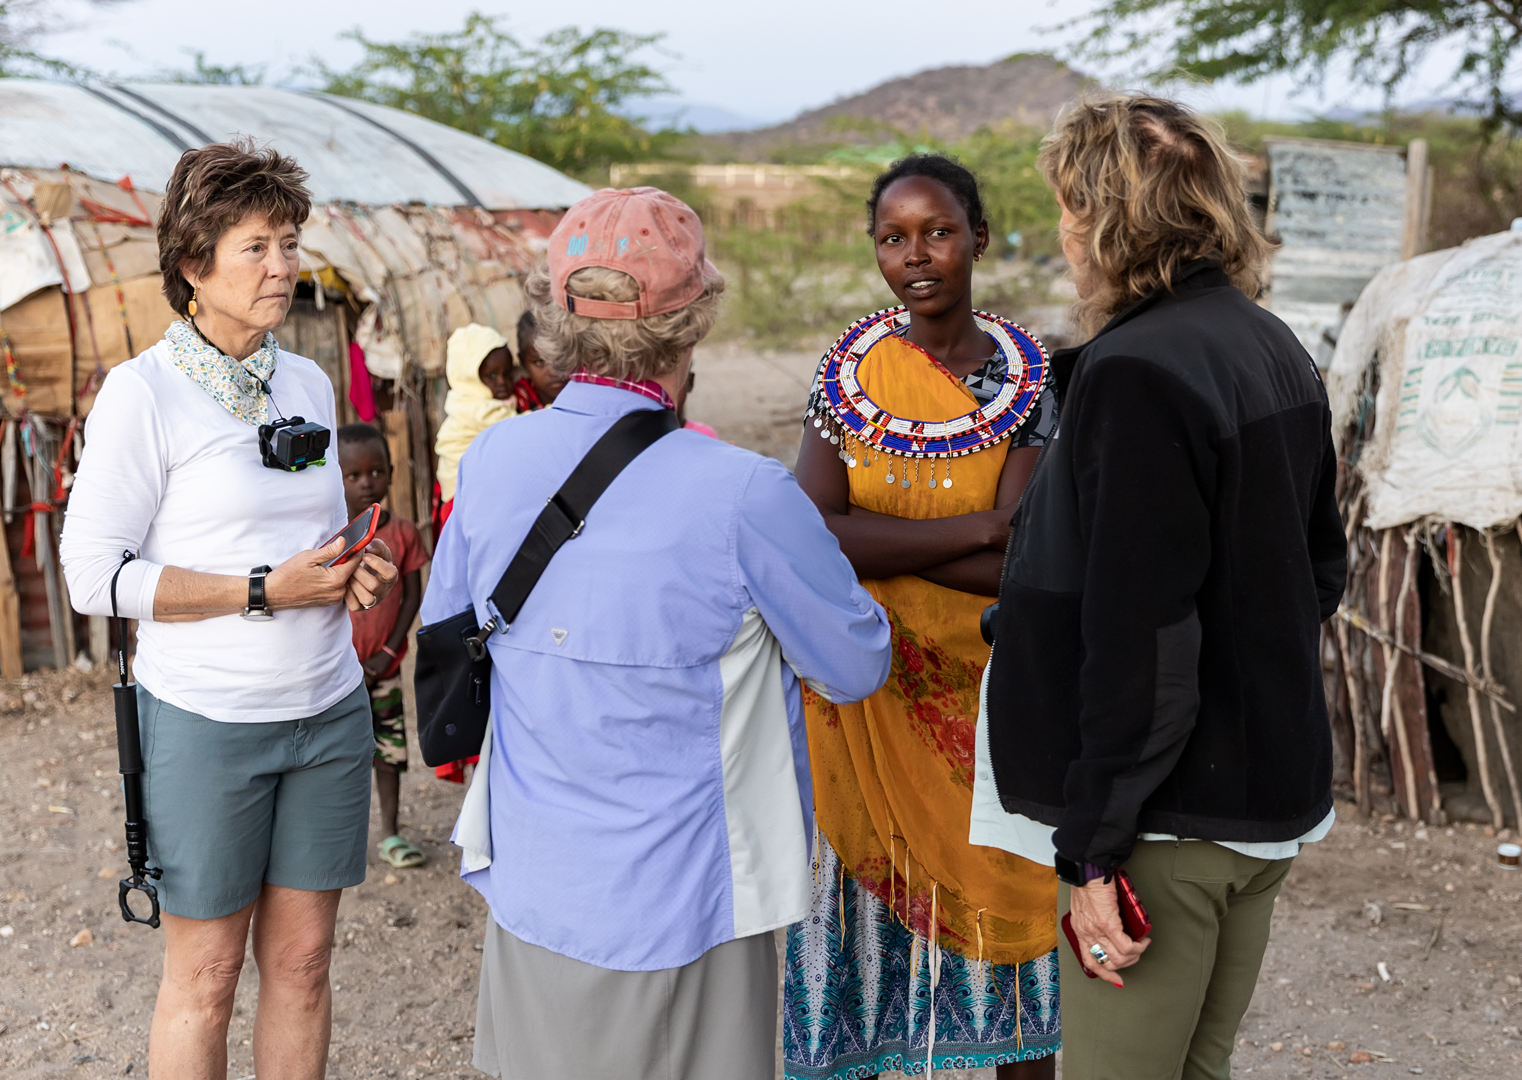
{"x": 453, "y": 676}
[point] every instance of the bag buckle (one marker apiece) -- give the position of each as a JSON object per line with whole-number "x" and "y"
{"x": 475, "y": 644}
{"x": 565, "y": 509}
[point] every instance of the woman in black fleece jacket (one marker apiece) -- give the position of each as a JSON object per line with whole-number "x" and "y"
{"x": 1155, "y": 688}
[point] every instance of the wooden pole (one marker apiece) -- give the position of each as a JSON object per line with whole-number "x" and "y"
{"x": 1489, "y": 671}
{"x": 398, "y": 439}
{"x": 42, "y": 537}
{"x": 1413, "y": 230}
{"x": 1361, "y": 756}
{"x": 1482, "y": 755}
{"x": 1393, "y": 660}
{"x": 1388, "y": 648}
{"x": 100, "y": 639}
{"x": 10, "y": 615}
{"x": 346, "y": 377}
{"x": 1355, "y": 706}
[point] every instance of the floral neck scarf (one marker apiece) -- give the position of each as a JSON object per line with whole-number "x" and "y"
{"x": 232, "y": 384}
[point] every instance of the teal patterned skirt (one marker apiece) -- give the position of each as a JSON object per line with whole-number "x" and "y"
{"x": 859, "y": 1006}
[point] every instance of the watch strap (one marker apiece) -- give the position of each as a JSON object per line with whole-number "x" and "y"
{"x": 258, "y": 606}
{"x": 1079, "y": 874}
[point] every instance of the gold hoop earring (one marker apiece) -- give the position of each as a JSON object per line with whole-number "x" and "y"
{"x": 191, "y": 307}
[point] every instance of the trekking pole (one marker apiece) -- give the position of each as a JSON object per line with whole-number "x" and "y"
{"x": 129, "y": 752}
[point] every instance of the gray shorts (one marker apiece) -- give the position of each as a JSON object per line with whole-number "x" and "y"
{"x": 232, "y": 806}
{"x": 542, "y": 1014}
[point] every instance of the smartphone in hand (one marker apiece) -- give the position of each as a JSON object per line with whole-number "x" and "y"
{"x": 1133, "y": 918}
{"x": 1133, "y": 913}
{"x": 357, "y": 535}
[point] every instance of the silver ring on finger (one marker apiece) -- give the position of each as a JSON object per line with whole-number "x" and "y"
{"x": 1101, "y": 957}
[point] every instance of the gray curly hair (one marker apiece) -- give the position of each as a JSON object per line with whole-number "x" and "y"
{"x": 619, "y": 348}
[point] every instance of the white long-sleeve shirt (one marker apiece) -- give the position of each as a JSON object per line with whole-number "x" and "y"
{"x": 169, "y": 473}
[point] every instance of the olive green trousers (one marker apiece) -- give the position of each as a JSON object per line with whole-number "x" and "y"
{"x": 1177, "y": 1016}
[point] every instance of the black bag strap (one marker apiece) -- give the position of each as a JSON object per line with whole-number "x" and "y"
{"x": 565, "y": 514}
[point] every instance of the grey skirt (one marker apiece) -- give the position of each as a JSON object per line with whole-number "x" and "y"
{"x": 542, "y": 1016}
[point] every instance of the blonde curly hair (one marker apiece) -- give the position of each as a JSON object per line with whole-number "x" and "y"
{"x": 619, "y": 348}
{"x": 1152, "y": 186}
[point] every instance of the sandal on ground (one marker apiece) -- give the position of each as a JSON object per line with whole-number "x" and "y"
{"x": 401, "y": 853}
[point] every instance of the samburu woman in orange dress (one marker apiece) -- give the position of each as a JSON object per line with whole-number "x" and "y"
{"x": 924, "y": 425}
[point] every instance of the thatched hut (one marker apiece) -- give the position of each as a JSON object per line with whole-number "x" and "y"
{"x": 416, "y": 229}
{"x": 1425, "y": 659}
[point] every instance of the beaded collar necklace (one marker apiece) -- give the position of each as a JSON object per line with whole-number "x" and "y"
{"x": 842, "y": 412}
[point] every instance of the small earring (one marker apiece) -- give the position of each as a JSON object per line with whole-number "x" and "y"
{"x": 977, "y": 258}
{"x": 191, "y": 307}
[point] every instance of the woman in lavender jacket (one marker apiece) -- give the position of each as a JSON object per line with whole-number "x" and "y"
{"x": 640, "y": 821}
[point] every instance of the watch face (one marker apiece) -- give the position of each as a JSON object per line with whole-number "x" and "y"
{"x": 1068, "y": 871}
{"x": 253, "y": 615}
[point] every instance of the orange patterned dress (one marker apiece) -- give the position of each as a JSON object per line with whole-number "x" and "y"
{"x": 917, "y": 938}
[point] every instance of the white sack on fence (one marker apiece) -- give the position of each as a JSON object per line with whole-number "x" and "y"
{"x": 383, "y": 348}
{"x": 28, "y": 262}
{"x": 1444, "y": 330}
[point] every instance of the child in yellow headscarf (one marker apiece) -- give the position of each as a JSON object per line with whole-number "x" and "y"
{"x": 478, "y": 365}
{"x": 471, "y": 406}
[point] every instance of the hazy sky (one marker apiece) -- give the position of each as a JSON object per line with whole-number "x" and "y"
{"x": 766, "y": 61}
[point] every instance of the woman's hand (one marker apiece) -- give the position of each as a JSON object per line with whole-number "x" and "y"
{"x": 374, "y": 577}
{"x": 299, "y": 582}
{"x": 302, "y": 581}
{"x": 1096, "y": 920}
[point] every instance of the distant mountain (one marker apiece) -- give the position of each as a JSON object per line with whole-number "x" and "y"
{"x": 698, "y": 115}
{"x": 946, "y": 103}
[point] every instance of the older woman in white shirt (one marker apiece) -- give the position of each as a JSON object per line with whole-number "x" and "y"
{"x": 254, "y": 718}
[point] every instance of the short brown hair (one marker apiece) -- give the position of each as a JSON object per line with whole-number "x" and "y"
{"x": 1153, "y": 186}
{"x": 213, "y": 188}
{"x": 619, "y": 348}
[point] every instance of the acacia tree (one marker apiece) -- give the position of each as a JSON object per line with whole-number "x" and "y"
{"x": 555, "y": 100}
{"x": 22, "y": 23}
{"x": 1381, "y": 41}
{"x": 208, "y": 74}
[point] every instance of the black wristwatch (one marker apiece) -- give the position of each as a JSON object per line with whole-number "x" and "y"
{"x": 258, "y": 607}
{"x": 1079, "y": 874}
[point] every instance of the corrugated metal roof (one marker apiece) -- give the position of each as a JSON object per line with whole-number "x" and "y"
{"x": 354, "y": 151}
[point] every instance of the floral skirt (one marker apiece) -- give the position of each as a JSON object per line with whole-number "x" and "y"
{"x": 857, "y": 995}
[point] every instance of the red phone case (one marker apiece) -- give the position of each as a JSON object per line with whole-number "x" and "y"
{"x": 1133, "y": 917}
{"x": 374, "y": 525}
{"x": 1067, "y": 928}
{"x": 1133, "y": 913}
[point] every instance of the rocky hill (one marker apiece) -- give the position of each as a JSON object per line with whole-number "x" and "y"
{"x": 946, "y": 103}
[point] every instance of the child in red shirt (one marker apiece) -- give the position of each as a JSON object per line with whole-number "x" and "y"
{"x": 538, "y": 386}
{"x": 380, "y": 634}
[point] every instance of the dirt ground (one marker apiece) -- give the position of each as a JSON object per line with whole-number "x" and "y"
{"x": 77, "y": 985}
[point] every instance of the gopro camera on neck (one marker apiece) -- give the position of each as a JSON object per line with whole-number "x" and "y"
{"x": 293, "y": 444}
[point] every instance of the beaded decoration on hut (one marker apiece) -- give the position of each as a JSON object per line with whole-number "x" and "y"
{"x": 841, "y": 411}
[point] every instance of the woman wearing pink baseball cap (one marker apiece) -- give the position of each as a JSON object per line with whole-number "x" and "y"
{"x": 639, "y": 822}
